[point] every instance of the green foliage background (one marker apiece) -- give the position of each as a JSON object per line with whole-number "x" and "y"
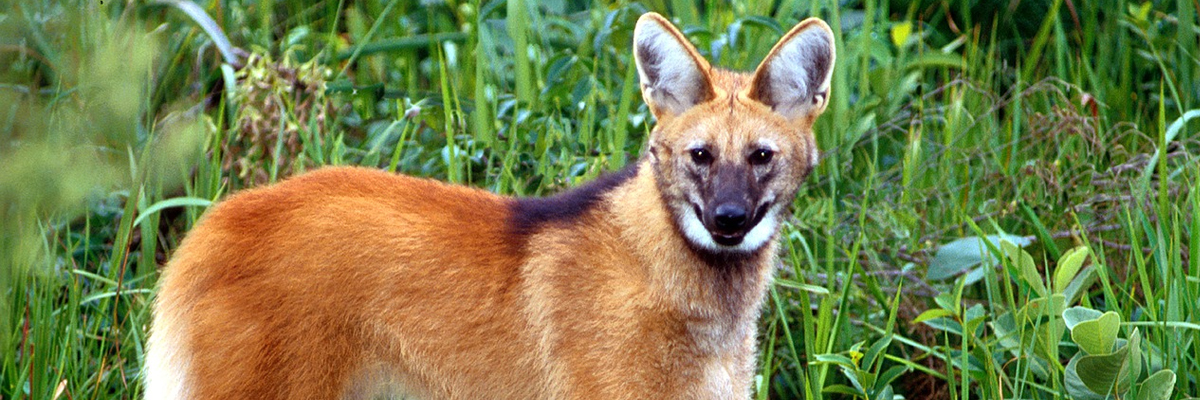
{"x": 1044, "y": 123}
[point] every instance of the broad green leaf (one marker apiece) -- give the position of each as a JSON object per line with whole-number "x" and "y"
{"x": 946, "y": 301}
{"x": 1043, "y": 314}
{"x": 1079, "y": 285}
{"x": 1069, "y": 265}
{"x": 842, "y": 389}
{"x": 1096, "y": 337}
{"x": 884, "y": 393}
{"x": 945, "y": 324}
{"x": 961, "y": 255}
{"x": 1099, "y": 372}
{"x": 973, "y": 318}
{"x": 875, "y": 350}
{"x": 1032, "y": 275}
{"x": 1049, "y": 334}
{"x": 1158, "y": 386}
{"x": 836, "y": 359}
{"x": 976, "y": 311}
{"x": 933, "y": 313}
{"x": 1041, "y": 367}
{"x": 1132, "y": 370}
{"x": 1010, "y": 250}
{"x": 1074, "y": 315}
{"x": 1074, "y": 384}
{"x": 974, "y": 275}
{"x": 851, "y": 375}
{"x": 1024, "y": 263}
{"x": 1052, "y": 306}
{"x": 890, "y": 375}
{"x": 972, "y": 326}
{"x": 1005, "y": 327}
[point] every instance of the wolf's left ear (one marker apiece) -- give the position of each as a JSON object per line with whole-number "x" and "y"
{"x": 674, "y": 76}
{"x": 794, "y": 78}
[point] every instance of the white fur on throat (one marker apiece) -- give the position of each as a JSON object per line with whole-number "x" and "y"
{"x": 756, "y": 238}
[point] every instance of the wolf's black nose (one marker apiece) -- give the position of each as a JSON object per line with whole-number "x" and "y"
{"x": 730, "y": 217}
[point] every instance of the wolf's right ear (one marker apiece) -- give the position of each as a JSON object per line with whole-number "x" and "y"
{"x": 794, "y": 78}
{"x": 674, "y": 76}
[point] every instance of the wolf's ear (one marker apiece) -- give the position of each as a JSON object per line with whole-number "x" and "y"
{"x": 674, "y": 76}
{"x": 794, "y": 78}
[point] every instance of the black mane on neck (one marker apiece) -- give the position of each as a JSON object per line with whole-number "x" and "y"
{"x": 527, "y": 214}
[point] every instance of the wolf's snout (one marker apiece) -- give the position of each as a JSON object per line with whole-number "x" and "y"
{"x": 728, "y": 223}
{"x": 730, "y": 217}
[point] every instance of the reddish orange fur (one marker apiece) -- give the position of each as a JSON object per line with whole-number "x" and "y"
{"x": 346, "y": 281}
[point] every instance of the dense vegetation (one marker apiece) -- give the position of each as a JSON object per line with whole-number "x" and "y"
{"x": 1005, "y": 206}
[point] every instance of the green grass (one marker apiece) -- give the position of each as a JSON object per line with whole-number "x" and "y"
{"x": 1050, "y": 121}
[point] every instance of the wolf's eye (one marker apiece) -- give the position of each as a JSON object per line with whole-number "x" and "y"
{"x": 761, "y": 156}
{"x": 701, "y": 156}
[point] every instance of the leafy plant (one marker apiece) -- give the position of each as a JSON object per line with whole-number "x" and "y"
{"x": 969, "y": 255}
{"x": 864, "y": 371}
{"x": 1023, "y": 339}
{"x": 1106, "y": 365}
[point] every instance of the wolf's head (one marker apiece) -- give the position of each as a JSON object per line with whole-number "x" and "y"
{"x": 730, "y": 149}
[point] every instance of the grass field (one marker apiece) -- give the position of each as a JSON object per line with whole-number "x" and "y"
{"x": 1005, "y": 208}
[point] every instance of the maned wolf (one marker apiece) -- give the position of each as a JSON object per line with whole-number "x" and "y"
{"x": 646, "y": 283}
